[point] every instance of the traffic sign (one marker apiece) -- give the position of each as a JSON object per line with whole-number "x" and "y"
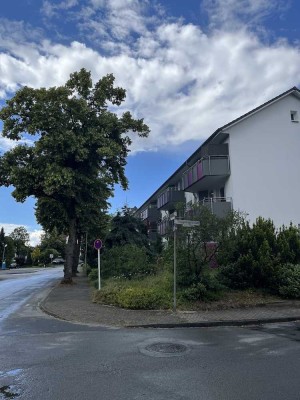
{"x": 186, "y": 222}
{"x": 97, "y": 244}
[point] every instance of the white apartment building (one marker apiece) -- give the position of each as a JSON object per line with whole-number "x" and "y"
{"x": 251, "y": 164}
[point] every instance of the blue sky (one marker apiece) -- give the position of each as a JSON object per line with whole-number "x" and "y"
{"x": 189, "y": 67}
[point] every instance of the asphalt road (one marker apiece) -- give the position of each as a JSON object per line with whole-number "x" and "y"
{"x": 44, "y": 358}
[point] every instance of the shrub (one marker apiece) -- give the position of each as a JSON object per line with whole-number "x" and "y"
{"x": 93, "y": 275}
{"x": 208, "y": 288}
{"x": 126, "y": 261}
{"x": 288, "y": 245}
{"x": 107, "y": 295}
{"x": 196, "y": 292}
{"x": 151, "y": 292}
{"x": 136, "y": 298}
{"x": 253, "y": 254}
{"x": 288, "y": 281}
{"x": 87, "y": 269}
{"x": 141, "y": 298}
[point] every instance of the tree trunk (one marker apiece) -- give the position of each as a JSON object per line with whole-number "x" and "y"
{"x": 76, "y": 256}
{"x": 70, "y": 251}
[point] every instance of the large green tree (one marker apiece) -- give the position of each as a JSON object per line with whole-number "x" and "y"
{"x": 79, "y": 151}
{"x": 20, "y": 238}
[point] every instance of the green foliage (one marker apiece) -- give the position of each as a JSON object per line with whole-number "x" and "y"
{"x": 151, "y": 292}
{"x": 87, "y": 269}
{"x": 45, "y": 255}
{"x": 254, "y": 255}
{"x": 20, "y": 237}
{"x": 93, "y": 274}
{"x": 36, "y": 255}
{"x": 126, "y": 261}
{"x": 126, "y": 229}
{"x": 78, "y": 155}
{"x": 208, "y": 288}
{"x": 288, "y": 245}
{"x": 9, "y": 250}
{"x": 53, "y": 240}
{"x": 141, "y": 298}
{"x": 288, "y": 281}
{"x": 197, "y": 247}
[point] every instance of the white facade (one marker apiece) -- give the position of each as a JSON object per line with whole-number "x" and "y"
{"x": 264, "y": 152}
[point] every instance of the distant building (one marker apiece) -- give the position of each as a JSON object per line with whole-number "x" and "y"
{"x": 251, "y": 164}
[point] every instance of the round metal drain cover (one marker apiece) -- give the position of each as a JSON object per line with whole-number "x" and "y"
{"x": 166, "y": 348}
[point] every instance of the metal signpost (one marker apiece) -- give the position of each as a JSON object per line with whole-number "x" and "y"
{"x": 97, "y": 246}
{"x": 188, "y": 224}
{"x": 3, "y": 259}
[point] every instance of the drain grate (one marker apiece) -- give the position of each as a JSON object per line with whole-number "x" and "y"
{"x": 166, "y": 348}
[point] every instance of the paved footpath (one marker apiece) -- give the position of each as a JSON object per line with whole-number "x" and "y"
{"x": 73, "y": 303}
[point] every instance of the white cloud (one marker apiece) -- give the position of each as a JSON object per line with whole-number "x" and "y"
{"x": 7, "y": 144}
{"x": 35, "y": 237}
{"x": 50, "y": 10}
{"x": 232, "y": 14}
{"x": 184, "y": 81}
{"x": 34, "y": 234}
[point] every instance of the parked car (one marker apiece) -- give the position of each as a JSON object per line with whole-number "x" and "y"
{"x": 13, "y": 265}
{"x": 58, "y": 260}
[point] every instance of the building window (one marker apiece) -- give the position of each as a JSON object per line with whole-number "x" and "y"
{"x": 294, "y": 116}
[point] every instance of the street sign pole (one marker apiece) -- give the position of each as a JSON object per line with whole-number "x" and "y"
{"x": 174, "y": 272}
{"x": 99, "y": 274}
{"x": 188, "y": 224}
{"x": 97, "y": 246}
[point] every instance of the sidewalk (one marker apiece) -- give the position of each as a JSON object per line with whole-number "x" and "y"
{"x": 73, "y": 303}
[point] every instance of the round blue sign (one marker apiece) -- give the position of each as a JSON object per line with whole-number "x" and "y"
{"x": 97, "y": 244}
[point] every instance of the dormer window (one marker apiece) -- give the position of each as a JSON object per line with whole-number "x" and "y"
{"x": 294, "y": 116}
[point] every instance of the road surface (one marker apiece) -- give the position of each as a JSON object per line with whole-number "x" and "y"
{"x": 45, "y": 358}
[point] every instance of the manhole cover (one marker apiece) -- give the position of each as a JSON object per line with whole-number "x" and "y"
{"x": 8, "y": 392}
{"x": 166, "y": 348}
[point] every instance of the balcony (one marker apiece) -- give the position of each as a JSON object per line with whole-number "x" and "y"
{"x": 219, "y": 206}
{"x": 207, "y": 173}
{"x": 150, "y": 213}
{"x": 165, "y": 226}
{"x": 168, "y": 199}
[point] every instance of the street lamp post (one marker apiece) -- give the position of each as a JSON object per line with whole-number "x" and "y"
{"x": 3, "y": 260}
{"x": 85, "y": 253}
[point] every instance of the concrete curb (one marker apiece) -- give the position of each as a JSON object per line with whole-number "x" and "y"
{"x": 208, "y": 324}
{"x": 42, "y": 307}
{"x": 201, "y": 324}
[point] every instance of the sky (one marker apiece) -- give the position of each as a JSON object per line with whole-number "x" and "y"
{"x": 189, "y": 67}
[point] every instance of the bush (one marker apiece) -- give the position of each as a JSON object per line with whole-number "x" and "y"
{"x": 87, "y": 269}
{"x": 152, "y": 292}
{"x": 288, "y": 245}
{"x": 141, "y": 298}
{"x": 208, "y": 288}
{"x": 136, "y": 298}
{"x": 253, "y": 254}
{"x": 93, "y": 275}
{"x": 128, "y": 261}
{"x": 288, "y": 281}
